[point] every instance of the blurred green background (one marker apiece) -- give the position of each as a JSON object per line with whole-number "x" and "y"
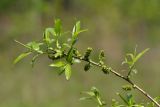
{"x": 116, "y": 26}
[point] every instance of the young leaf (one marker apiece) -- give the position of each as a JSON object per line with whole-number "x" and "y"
{"x": 76, "y": 30}
{"x": 130, "y": 99}
{"x": 47, "y": 33}
{"x": 131, "y": 59}
{"x": 140, "y": 54}
{"x": 61, "y": 70}
{"x": 116, "y": 104}
{"x": 65, "y": 45}
{"x": 50, "y": 31}
{"x": 74, "y": 36}
{"x": 123, "y": 99}
{"x": 69, "y": 57}
{"x": 21, "y": 56}
{"x": 96, "y": 91}
{"x": 68, "y": 71}
{"x": 58, "y": 53}
{"x": 127, "y": 87}
{"x": 35, "y": 46}
{"x": 58, "y": 64}
{"x": 90, "y": 93}
{"x": 95, "y": 95}
{"x": 34, "y": 59}
{"x": 57, "y": 27}
{"x": 76, "y": 53}
{"x": 85, "y": 98}
{"x": 58, "y": 44}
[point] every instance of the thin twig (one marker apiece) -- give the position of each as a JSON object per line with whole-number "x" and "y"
{"x": 126, "y": 79}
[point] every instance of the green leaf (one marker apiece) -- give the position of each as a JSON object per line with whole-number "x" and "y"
{"x": 47, "y": 33}
{"x": 68, "y": 71}
{"x": 69, "y": 57}
{"x": 65, "y": 45}
{"x": 35, "y": 46}
{"x": 127, "y": 87}
{"x": 21, "y": 56}
{"x": 58, "y": 53}
{"x": 131, "y": 56}
{"x": 58, "y": 64}
{"x": 34, "y": 59}
{"x": 76, "y": 30}
{"x": 125, "y": 61}
{"x": 140, "y": 55}
{"x": 130, "y": 99}
{"x": 50, "y": 31}
{"x": 90, "y": 93}
{"x": 61, "y": 70}
{"x": 58, "y": 44}
{"x": 94, "y": 95}
{"x": 96, "y": 91}
{"x": 131, "y": 59}
{"x": 122, "y": 98}
{"x": 85, "y": 98}
{"x": 58, "y": 27}
{"x": 115, "y": 103}
{"x": 157, "y": 98}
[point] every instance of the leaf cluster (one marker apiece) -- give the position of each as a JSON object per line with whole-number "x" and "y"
{"x": 64, "y": 55}
{"x": 94, "y": 94}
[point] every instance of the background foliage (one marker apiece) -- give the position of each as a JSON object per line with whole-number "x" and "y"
{"x": 115, "y": 26}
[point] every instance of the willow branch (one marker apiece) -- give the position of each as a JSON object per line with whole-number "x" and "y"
{"x": 126, "y": 79}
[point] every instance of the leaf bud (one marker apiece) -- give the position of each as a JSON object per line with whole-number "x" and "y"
{"x": 87, "y": 67}
{"x": 127, "y": 87}
{"x": 101, "y": 55}
{"x": 105, "y": 70}
{"x": 87, "y": 53}
{"x": 76, "y": 53}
